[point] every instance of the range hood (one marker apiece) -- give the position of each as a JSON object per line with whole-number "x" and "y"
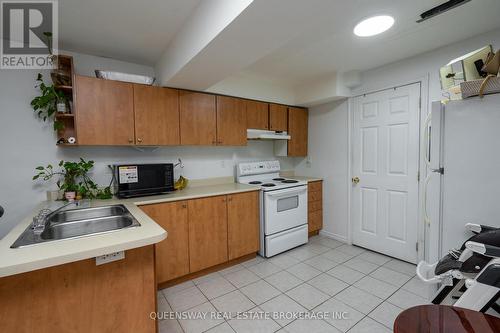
{"x": 256, "y": 134}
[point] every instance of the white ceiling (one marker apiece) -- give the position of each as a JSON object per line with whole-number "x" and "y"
{"x": 130, "y": 30}
{"x": 320, "y": 42}
{"x": 327, "y": 44}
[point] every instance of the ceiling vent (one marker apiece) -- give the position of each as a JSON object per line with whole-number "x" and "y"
{"x": 438, "y": 10}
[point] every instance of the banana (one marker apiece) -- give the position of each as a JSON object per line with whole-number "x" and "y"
{"x": 181, "y": 183}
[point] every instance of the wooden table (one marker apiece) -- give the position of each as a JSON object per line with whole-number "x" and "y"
{"x": 444, "y": 319}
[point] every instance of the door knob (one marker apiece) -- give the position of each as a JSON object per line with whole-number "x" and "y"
{"x": 355, "y": 180}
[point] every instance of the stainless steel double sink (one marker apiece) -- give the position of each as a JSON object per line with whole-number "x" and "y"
{"x": 75, "y": 223}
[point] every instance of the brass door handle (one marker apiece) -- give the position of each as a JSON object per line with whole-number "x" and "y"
{"x": 355, "y": 180}
{"x": 139, "y": 140}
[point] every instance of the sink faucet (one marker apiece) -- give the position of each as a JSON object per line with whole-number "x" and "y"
{"x": 40, "y": 220}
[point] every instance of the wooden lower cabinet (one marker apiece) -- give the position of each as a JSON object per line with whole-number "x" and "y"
{"x": 82, "y": 297}
{"x": 204, "y": 232}
{"x": 315, "y": 206}
{"x": 172, "y": 254}
{"x": 207, "y": 232}
{"x": 243, "y": 224}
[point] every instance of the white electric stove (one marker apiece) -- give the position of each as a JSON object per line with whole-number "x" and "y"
{"x": 283, "y": 206}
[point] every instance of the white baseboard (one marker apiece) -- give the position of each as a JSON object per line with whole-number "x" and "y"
{"x": 334, "y": 236}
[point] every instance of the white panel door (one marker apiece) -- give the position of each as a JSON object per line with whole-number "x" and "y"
{"x": 385, "y": 145}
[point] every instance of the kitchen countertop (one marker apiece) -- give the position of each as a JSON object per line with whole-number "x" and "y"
{"x": 29, "y": 258}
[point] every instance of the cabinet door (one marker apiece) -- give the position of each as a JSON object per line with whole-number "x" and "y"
{"x": 278, "y": 117}
{"x": 172, "y": 253}
{"x": 257, "y": 115}
{"x": 104, "y": 112}
{"x": 156, "y": 115}
{"x": 198, "y": 118}
{"x": 297, "y": 129}
{"x": 243, "y": 224}
{"x": 231, "y": 121}
{"x": 207, "y": 232}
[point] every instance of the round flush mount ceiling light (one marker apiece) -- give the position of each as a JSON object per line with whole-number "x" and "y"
{"x": 373, "y": 26}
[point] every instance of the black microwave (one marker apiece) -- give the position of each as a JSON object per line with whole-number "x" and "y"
{"x": 136, "y": 180}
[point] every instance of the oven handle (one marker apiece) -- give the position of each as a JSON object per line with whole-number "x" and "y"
{"x": 286, "y": 192}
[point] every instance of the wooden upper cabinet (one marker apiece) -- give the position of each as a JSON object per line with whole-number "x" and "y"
{"x": 156, "y": 115}
{"x": 243, "y": 224}
{"x": 172, "y": 253}
{"x": 231, "y": 121}
{"x": 297, "y": 129}
{"x": 104, "y": 112}
{"x": 207, "y": 232}
{"x": 278, "y": 117}
{"x": 257, "y": 115}
{"x": 198, "y": 119}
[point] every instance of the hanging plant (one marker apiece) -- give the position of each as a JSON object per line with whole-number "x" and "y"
{"x": 45, "y": 105}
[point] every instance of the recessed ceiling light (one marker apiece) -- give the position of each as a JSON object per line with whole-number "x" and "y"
{"x": 373, "y": 26}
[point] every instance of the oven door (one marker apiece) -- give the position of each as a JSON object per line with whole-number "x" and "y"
{"x": 285, "y": 209}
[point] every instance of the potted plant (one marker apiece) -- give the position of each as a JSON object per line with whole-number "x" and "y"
{"x": 49, "y": 102}
{"x": 74, "y": 180}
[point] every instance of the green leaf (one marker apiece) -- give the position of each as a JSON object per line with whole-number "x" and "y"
{"x": 39, "y": 168}
{"x": 36, "y": 177}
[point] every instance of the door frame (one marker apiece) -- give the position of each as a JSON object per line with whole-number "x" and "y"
{"x": 424, "y": 109}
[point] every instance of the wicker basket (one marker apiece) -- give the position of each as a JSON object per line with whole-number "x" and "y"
{"x": 471, "y": 88}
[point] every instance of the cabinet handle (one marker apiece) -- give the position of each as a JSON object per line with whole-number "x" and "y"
{"x": 230, "y": 199}
{"x": 214, "y": 142}
{"x": 184, "y": 206}
{"x": 130, "y": 141}
{"x": 139, "y": 140}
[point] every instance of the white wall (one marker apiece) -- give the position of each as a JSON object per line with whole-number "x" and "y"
{"x": 26, "y": 142}
{"x": 328, "y": 153}
{"x": 328, "y": 133}
{"x": 421, "y": 65}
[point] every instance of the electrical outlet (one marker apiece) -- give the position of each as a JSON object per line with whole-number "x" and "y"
{"x": 104, "y": 259}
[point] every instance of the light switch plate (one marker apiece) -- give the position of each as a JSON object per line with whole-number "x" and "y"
{"x": 104, "y": 259}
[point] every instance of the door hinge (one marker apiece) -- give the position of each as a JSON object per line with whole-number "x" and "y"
{"x": 416, "y": 246}
{"x": 418, "y": 176}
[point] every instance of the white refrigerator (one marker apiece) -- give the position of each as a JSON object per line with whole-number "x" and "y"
{"x": 464, "y": 154}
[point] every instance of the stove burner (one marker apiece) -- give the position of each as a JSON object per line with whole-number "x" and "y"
{"x": 268, "y": 185}
{"x": 255, "y": 182}
{"x": 278, "y": 179}
{"x": 289, "y": 181}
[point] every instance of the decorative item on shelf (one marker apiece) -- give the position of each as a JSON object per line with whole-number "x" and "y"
{"x": 182, "y": 182}
{"x": 491, "y": 82}
{"x": 125, "y": 77}
{"x": 61, "y": 106}
{"x": 465, "y": 68}
{"x": 71, "y": 140}
{"x": 74, "y": 180}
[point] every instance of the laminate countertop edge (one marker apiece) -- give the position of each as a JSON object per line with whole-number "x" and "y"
{"x": 43, "y": 255}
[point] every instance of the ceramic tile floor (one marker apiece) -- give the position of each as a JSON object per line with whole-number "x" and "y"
{"x": 323, "y": 275}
